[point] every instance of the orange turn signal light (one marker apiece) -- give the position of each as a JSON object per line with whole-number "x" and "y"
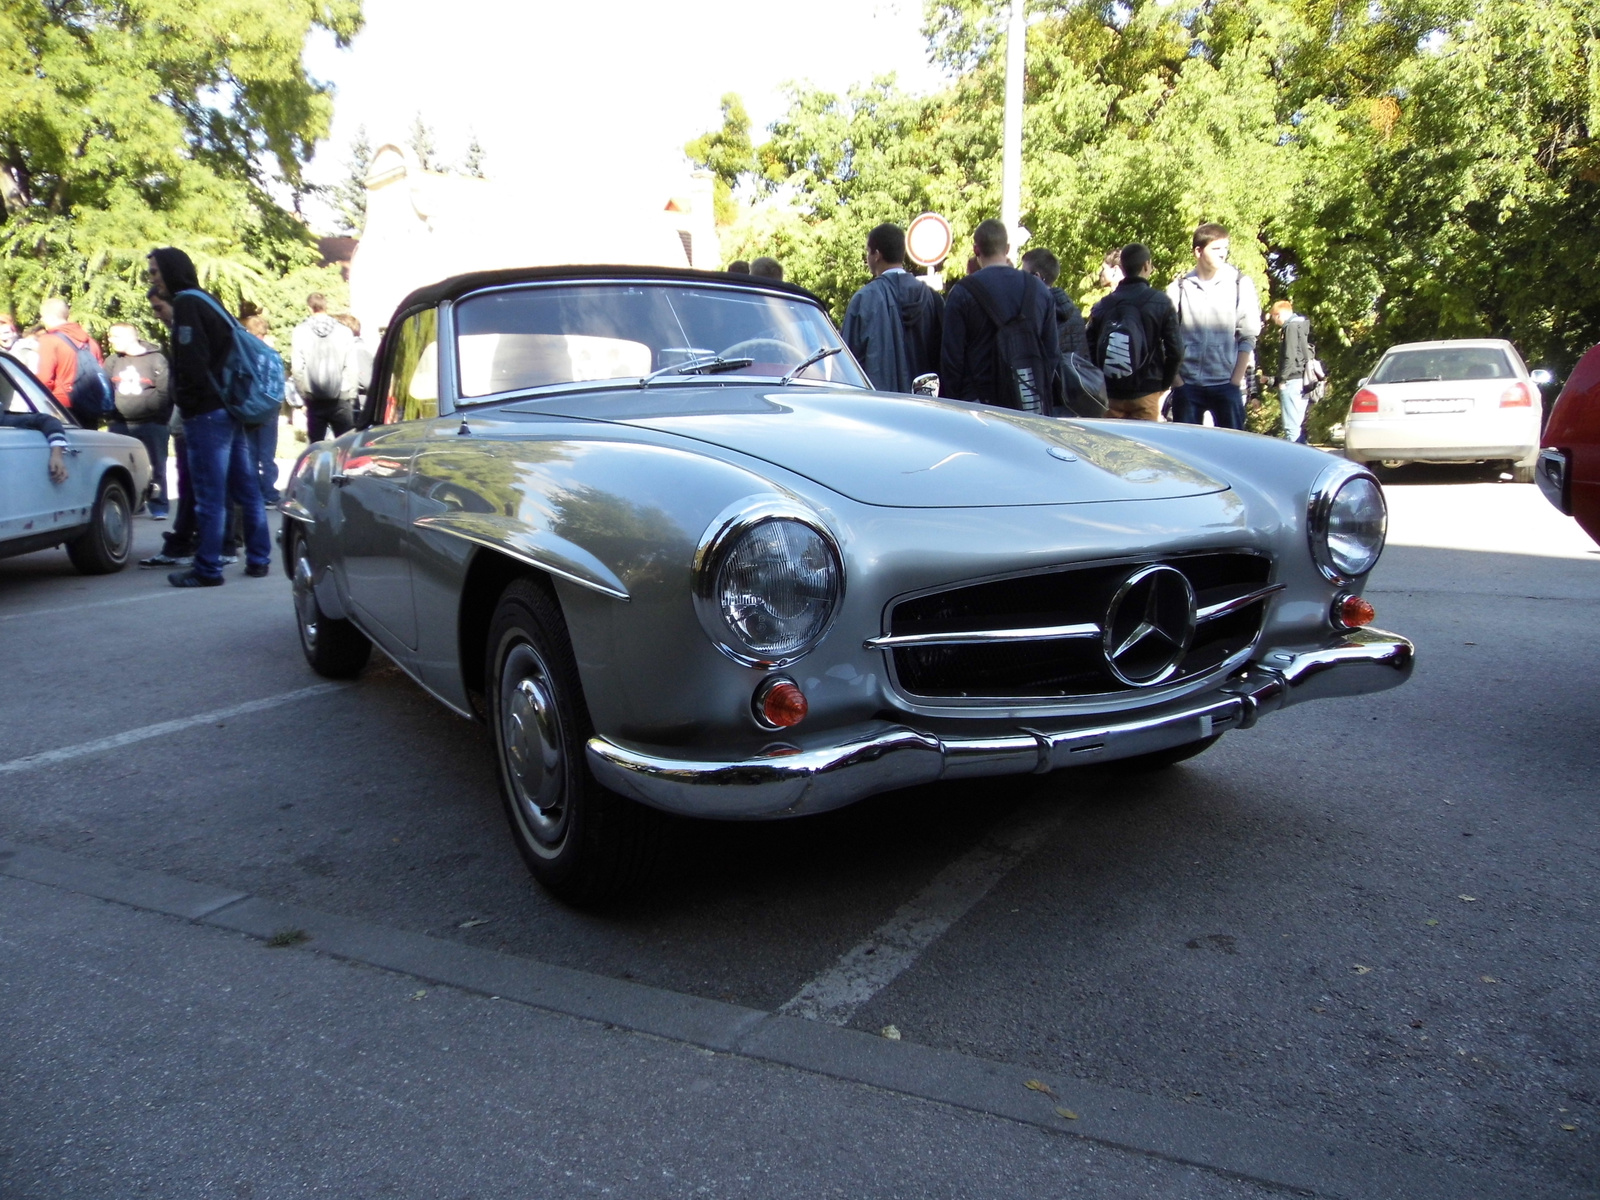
{"x": 779, "y": 703}
{"x": 1353, "y": 611}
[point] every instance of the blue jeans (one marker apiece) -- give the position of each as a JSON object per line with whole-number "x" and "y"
{"x": 264, "y": 444}
{"x": 222, "y": 467}
{"x": 1224, "y": 401}
{"x": 1292, "y": 403}
{"x": 154, "y": 435}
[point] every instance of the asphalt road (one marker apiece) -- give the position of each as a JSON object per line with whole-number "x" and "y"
{"x": 1351, "y": 951}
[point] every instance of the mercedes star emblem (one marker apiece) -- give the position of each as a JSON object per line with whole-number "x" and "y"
{"x": 1149, "y": 625}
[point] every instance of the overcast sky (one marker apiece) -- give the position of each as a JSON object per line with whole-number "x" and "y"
{"x": 605, "y": 92}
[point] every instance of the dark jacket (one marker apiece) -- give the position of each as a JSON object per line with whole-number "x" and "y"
{"x": 139, "y": 386}
{"x": 894, "y": 326}
{"x": 1296, "y": 351}
{"x": 969, "y": 366}
{"x": 1160, "y": 323}
{"x": 54, "y": 433}
{"x": 1069, "y": 325}
{"x": 201, "y": 338}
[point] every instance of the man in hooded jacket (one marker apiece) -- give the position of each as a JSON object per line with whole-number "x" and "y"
{"x": 893, "y": 324}
{"x": 222, "y": 465}
{"x": 323, "y": 365}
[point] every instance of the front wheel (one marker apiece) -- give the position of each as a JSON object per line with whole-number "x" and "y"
{"x": 108, "y": 543}
{"x": 335, "y": 648}
{"x": 584, "y": 844}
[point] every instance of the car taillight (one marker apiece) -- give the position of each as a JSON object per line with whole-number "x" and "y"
{"x": 1518, "y": 395}
{"x": 1366, "y": 401}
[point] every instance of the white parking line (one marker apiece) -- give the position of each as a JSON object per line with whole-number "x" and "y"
{"x": 47, "y": 758}
{"x": 877, "y": 961}
{"x": 66, "y": 608}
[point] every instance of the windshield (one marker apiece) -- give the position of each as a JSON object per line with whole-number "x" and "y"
{"x": 1444, "y": 362}
{"x": 536, "y": 337}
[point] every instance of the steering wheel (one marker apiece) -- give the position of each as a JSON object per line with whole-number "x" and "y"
{"x": 747, "y": 348}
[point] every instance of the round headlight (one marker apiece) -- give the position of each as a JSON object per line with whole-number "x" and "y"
{"x": 1349, "y": 521}
{"x": 767, "y": 585}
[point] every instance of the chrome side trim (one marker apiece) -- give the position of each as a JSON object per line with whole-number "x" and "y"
{"x": 834, "y": 768}
{"x": 296, "y": 511}
{"x": 541, "y": 562}
{"x": 979, "y": 637}
{"x": 1228, "y": 607}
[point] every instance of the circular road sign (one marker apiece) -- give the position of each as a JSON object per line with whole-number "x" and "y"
{"x": 928, "y": 240}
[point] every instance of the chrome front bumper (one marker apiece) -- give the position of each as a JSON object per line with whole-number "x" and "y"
{"x": 880, "y": 756}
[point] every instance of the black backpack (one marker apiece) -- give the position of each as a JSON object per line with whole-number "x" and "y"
{"x": 1121, "y": 349}
{"x": 1029, "y": 380}
{"x": 91, "y": 394}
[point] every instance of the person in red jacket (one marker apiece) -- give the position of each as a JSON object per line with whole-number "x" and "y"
{"x": 58, "y": 361}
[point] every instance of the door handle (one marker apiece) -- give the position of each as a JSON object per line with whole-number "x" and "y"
{"x": 339, "y": 479}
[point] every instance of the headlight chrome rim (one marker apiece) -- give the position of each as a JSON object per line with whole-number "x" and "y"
{"x": 1324, "y": 493}
{"x": 721, "y": 537}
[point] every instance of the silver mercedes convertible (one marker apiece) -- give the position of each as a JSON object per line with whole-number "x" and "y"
{"x": 655, "y": 528}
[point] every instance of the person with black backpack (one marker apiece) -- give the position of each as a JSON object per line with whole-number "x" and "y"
{"x": 1134, "y": 340}
{"x": 222, "y": 465}
{"x": 71, "y": 365}
{"x": 1001, "y": 345}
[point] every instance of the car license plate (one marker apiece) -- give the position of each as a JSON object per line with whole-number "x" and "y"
{"x": 1433, "y": 405}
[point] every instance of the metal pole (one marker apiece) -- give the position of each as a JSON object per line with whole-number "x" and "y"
{"x": 1011, "y": 152}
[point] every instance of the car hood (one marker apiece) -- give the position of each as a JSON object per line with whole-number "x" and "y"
{"x": 910, "y": 452}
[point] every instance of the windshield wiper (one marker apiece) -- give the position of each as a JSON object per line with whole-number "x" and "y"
{"x": 816, "y": 357}
{"x": 699, "y": 366}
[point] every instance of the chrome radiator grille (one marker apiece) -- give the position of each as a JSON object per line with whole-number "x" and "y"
{"x": 1098, "y": 629}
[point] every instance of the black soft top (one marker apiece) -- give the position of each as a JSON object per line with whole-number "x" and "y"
{"x": 460, "y": 285}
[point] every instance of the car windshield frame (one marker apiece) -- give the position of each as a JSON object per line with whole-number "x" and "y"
{"x": 1436, "y": 356}
{"x": 838, "y": 370}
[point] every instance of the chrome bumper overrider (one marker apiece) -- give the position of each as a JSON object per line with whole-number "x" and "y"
{"x": 879, "y": 756}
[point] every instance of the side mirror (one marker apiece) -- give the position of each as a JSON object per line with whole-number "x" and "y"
{"x": 1542, "y": 377}
{"x": 1362, "y": 382}
{"x": 926, "y": 385}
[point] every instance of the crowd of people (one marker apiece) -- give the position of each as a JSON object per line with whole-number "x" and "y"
{"x": 172, "y": 397}
{"x": 1008, "y": 335}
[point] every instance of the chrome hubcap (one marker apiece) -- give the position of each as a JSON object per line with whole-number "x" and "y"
{"x": 114, "y": 525}
{"x": 530, "y": 731}
{"x": 305, "y": 600}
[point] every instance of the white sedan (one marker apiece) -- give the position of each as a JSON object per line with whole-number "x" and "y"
{"x": 1448, "y": 401}
{"x": 91, "y": 510}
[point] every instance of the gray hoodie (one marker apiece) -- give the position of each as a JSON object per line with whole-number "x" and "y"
{"x": 1217, "y": 318}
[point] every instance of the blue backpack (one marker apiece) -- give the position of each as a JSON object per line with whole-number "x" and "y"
{"x": 252, "y": 376}
{"x": 91, "y": 394}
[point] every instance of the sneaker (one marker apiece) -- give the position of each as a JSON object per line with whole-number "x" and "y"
{"x": 166, "y": 560}
{"x": 228, "y": 560}
{"x": 258, "y": 570}
{"x": 188, "y": 579}
{"x": 156, "y": 514}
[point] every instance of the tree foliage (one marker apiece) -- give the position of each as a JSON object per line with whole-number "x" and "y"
{"x": 350, "y": 193}
{"x": 1402, "y": 169}
{"x": 126, "y": 124}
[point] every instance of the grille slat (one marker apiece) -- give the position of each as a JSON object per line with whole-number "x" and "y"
{"x": 1067, "y": 667}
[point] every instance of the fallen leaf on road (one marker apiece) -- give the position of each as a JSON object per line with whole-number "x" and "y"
{"x": 1072, "y": 1116}
{"x": 418, "y": 994}
{"x": 1570, "y": 1128}
{"x": 890, "y": 1032}
{"x": 1431, "y": 922}
{"x": 1469, "y": 643}
{"x": 1359, "y": 969}
{"x": 474, "y": 923}
{"x": 1035, "y": 1085}
{"x": 1488, "y": 978}
{"x": 1468, "y": 899}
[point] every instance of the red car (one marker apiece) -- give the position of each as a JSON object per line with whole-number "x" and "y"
{"x": 1569, "y": 464}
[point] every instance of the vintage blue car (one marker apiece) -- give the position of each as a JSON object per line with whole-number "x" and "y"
{"x": 91, "y": 511}
{"x": 657, "y": 530}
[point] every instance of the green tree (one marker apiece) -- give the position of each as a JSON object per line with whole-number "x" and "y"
{"x": 350, "y": 193}
{"x": 727, "y": 153}
{"x": 126, "y": 124}
{"x": 421, "y": 141}
{"x": 472, "y": 162}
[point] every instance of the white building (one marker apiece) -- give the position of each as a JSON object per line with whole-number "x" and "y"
{"x": 423, "y": 226}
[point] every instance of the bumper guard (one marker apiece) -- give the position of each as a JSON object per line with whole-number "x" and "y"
{"x": 880, "y": 756}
